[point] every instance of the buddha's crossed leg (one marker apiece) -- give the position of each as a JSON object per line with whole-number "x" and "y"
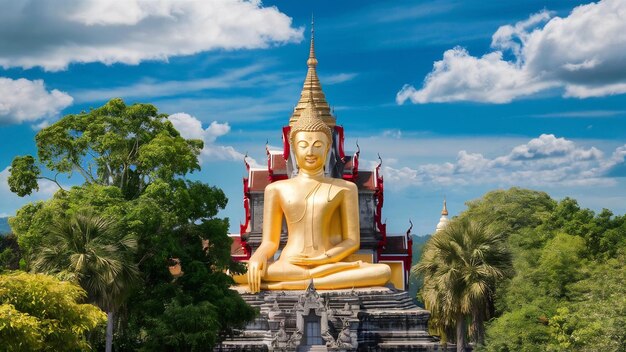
{"x": 286, "y": 276}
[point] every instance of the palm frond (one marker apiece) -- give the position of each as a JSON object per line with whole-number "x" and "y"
{"x": 460, "y": 267}
{"x": 92, "y": 250}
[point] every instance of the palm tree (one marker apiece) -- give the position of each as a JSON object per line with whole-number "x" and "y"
{"x": 90, "y": 250}
{"x": 461, "y": 265}
{"x": 434, "y": 297}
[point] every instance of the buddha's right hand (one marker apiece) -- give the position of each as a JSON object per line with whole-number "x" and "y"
{"x": 256, "y": 271}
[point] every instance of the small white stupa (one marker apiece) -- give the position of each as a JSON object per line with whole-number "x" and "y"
{"x": 444, "y": 217}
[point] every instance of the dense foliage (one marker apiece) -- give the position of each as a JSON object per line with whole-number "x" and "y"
{"x": 133, "y": 163}
{"x": 568, "y": 291}
{"x": 41, "y": 313}
{"x": 10, "y": 253}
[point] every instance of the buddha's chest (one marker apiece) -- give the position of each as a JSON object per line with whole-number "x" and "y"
{"x": 310, "y": 202}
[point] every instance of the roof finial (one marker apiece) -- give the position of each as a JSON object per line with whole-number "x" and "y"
{"x": 444, "y": 211}
{"x": 312, "y": 61}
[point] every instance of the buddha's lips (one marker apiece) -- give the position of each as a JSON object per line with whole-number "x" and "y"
{"x": 310, "y": 159}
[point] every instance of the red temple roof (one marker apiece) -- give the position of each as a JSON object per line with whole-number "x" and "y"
{"x": 258, "y": 179}
{"x": 277, "y": 163}
{"x": 366, "y": 180}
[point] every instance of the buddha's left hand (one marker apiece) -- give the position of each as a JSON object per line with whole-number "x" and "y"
{"x": 303, "y": 259}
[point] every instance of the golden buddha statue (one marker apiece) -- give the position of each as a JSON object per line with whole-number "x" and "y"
{"x": 322, "y": 217}
{"x": 322, "y": 213}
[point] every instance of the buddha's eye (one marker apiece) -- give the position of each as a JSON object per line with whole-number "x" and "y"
{"x": 317, "y": 144}
{"x": 303, "y": 144}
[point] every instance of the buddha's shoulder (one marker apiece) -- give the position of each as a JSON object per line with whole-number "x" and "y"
{"x": 338, "y": 182}
{"x": 277, "y": 186}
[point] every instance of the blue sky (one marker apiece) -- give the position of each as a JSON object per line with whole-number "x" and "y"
{"x": 458, "y": 97}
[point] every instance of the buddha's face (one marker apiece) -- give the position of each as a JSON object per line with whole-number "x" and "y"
{"x": 310, "y": 149}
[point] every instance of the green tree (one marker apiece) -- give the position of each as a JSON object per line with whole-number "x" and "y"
{"x": 91, "y": 251}
{"x": 509, "y": 211}
{"x": 41, "y": 313}
{"x": 25, "y": 175}
{"x": 134, "y": 166}
{"x": 114, "y": 145}
{"x": 523, "y": 329}
{"x": 183, "y": 328}
{"x": 10, "y": 253}
{"x": 594, "y": 319}
{"x": 568, "y": 262}
{"x": 560, "y": 263}
{"x": 461, "y": 265}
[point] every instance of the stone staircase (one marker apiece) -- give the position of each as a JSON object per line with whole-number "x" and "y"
{"x": 253, "y": 300}
{"x": 316, "y": 348}
{"x": 393, "y": 300}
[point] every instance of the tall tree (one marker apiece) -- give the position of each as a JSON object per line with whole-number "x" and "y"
{"x": 114, "y": 145}
{"x": 134, "y": 166}
{"x": 461, "y": 266}
{"x": 91, "y": 251}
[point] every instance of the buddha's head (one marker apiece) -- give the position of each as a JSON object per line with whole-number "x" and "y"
{"x": 310, "y": 140}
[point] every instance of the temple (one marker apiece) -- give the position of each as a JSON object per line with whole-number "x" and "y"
{"x": 378, "y": 318}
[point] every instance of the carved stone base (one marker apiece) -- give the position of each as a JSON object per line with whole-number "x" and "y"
{"x": 365, "y": 319}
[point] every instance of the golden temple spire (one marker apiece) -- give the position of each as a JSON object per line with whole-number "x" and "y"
{"x": 444, "y": 211}
{"x": 312, "y": 96}
{"x": 312, "y": 61}
{"x": 310, "y": 121}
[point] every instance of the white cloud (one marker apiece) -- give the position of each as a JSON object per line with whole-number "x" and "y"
{"x": 235, "y": 107}
{"x": 617, "y": 158}
{"x": 191, "y": 128}
{"x": 425, "y": 147}
{"x": 236, "y": 78}
{"x": 460, "y": 76}
{"x": 585, "y": 91}
{"x": 544, "y": 161}
{"x": 338, "y": 78}
{"x": 53, "y": 34}
{"x": 584, "y": 54}
{"x": 393, "y": 133}
{"x": 582, "y": 114}
{"x": 22, "y": 100}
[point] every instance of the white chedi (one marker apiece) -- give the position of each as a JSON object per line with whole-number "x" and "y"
{"x": 444, "y": 218}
